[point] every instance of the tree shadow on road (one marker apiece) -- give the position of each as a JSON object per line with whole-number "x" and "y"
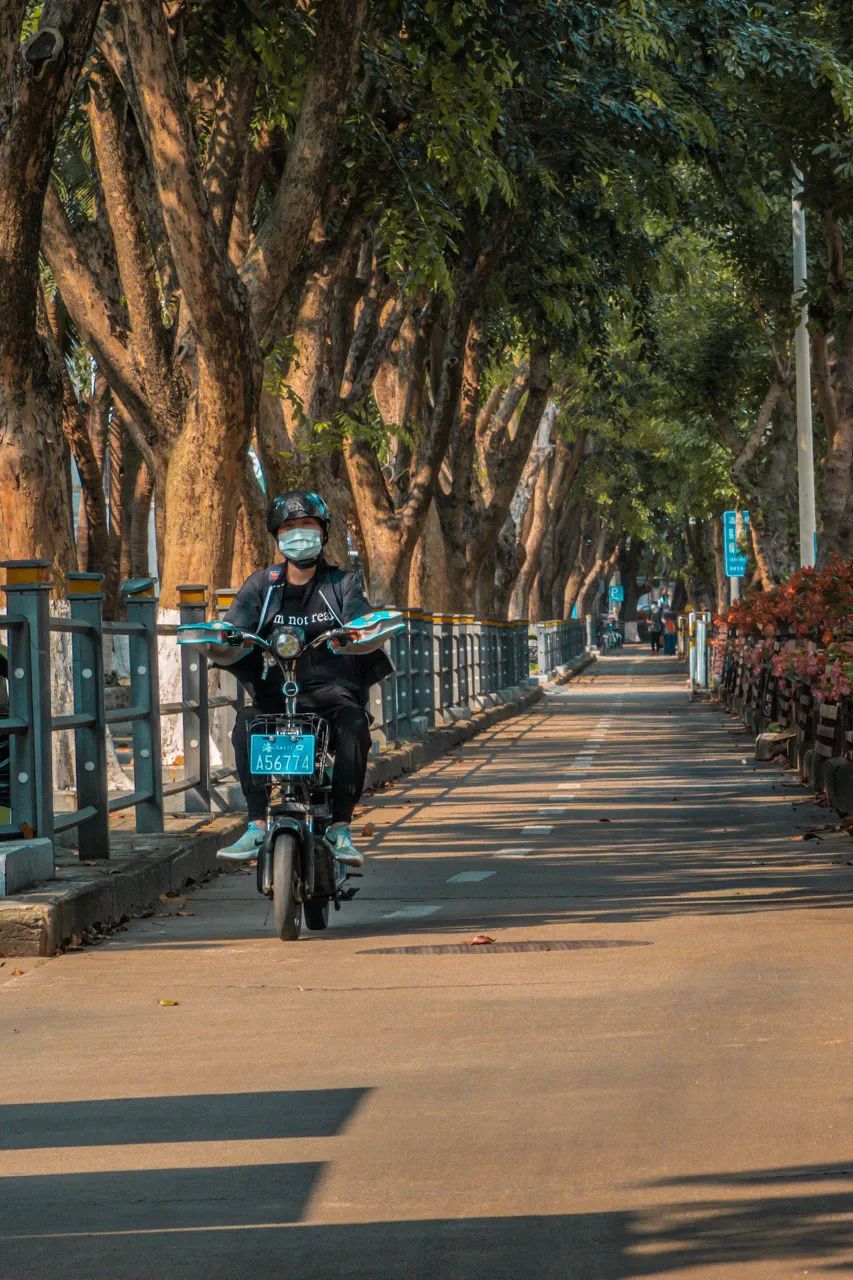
{"x": 208, "y": 1224}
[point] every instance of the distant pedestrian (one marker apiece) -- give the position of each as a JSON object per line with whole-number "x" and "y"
{"x": 656, "y": 627}
{"x": 670, "y": 634}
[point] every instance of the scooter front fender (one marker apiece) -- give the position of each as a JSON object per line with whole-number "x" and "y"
{"x": 305, "y": 853}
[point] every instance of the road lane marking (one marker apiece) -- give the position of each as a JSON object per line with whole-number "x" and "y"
{"x": 519, "y": 852}
{"x": 469, "y": 877}
{"x": 536, "y": 831}
{"x": 551, "y": 811}
{"x": 410, "y": 913}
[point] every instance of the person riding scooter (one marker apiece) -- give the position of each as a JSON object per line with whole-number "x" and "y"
{"x": 306, "y": 592}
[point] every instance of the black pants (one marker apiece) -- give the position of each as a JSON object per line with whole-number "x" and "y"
{"x": 350, "y": 742}
{"x": 656, "y": 639}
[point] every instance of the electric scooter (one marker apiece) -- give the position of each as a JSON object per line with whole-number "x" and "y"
{"x": 289, "y": 750}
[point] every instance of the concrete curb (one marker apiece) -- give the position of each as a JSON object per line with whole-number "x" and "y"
{"x": 37, "y": 923}
{"x": 83, "y": 898}
{"x": 575, "y": 667}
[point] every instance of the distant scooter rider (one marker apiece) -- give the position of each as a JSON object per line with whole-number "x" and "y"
{"x": 306, "y": 592}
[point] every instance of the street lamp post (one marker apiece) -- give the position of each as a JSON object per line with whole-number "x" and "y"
{"x": 805, "y": 447}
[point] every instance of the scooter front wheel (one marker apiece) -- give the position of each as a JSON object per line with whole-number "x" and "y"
{"x": 285, "y": 878}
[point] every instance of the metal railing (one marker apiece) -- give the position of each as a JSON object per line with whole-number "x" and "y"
{"x": 445, "y": 666}
{"x": 764, "y": 698}
{"x": 558, "y": 643}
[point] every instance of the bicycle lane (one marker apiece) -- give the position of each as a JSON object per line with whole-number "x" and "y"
{"x": 662, "y": 1095}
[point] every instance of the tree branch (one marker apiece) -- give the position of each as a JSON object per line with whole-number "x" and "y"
{"x": 207, "y": 283}
{"x": 148, "y": 336}
{"x": 226, "y": 145}
{"x": 753, "y": 442}
{"x": 359, "y": 379}
{"x": 281, "y": 240}
{"x": 42, "y": 74}
{"x": 77, "y": 278}
{"x": 432, "y": 444}
{"x": 507, "y": 466}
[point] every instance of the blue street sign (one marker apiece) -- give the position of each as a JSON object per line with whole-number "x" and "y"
{"x": 734, "y": 560}
{"x": 617, "y": 594}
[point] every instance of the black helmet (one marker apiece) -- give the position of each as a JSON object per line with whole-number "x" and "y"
{"x": 292, "y": 505}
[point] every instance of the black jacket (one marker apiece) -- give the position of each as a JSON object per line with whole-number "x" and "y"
{"x": 259, "y": 603}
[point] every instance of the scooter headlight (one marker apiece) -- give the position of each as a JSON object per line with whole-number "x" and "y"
{"x": 288, "y": 642}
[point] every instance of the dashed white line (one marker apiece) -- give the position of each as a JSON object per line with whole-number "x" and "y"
{"x": 513, "y": 852}
{"x": 536, "y": 831}
{"x": 551, "y": 811}
{"x": 470, "y": 877}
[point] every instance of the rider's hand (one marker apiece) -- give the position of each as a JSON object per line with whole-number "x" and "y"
{"x": 340, "y": 641}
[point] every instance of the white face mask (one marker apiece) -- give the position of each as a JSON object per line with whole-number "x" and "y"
{"x": 301, "y": 546}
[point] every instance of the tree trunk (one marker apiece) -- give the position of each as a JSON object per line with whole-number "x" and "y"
{"x": 719, "y": 568}
{"x": 37, "y": 82}
{"x": 93, "y": 545}
{"x": 837, "y": 508}
{"x": 835, "y": 394}
{"x": 578, "y": 571}
{"x": 506, "y": 454}
{"x": 521, "y": 605}
{"x": 143, "y": 494}
{"x": 390, "y": 532}
{"x": 629, "y": 563}
{"x": 761, "y": 550}
{"x": 252, "y": 542}
{"x": 35, "y": 504}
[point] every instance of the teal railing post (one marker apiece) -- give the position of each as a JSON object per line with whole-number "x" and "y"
{"x": 86, "y": 599}
{"x": 192, "y": 603}
{"x": 27, "y": 590}
{"x": 141, "y": 604}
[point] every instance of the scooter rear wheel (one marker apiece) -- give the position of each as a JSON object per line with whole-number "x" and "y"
{"x": 285, "y": 877}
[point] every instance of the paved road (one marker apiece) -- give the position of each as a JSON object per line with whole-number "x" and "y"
{"x": 661, "y": 1088}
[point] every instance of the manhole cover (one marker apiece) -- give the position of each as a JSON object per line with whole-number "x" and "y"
{"x": 461, "y": 948}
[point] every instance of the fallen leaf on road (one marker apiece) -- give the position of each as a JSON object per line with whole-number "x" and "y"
{"x": 368, "y": 829}
{"x": 173, "y": 899}
{"x": 808, "y": 835}
{"x": 169, "y": 1003}
{"x": 675, "y": 797}
{"x": 479, "y": 940}
{"x": 184, "y": 913}
{"x": 17, "y": 973}
{"x": 603, "y": 819}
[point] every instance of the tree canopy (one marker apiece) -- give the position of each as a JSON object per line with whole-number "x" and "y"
{"x": 509, "y": 280}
